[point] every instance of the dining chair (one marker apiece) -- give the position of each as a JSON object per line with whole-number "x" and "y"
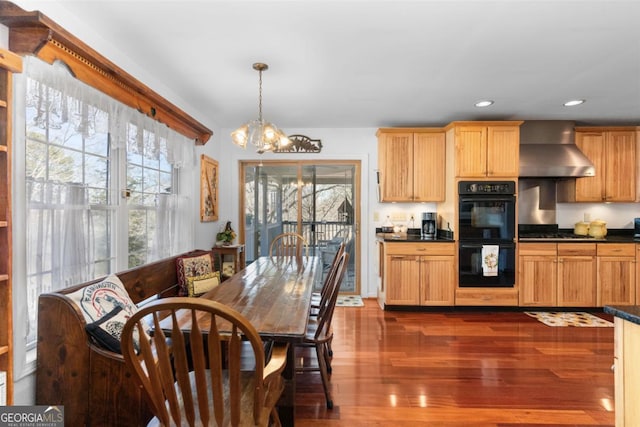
{"x": 190, "y": 364}
{"x": 317, "y": 298}
{"x": 289, "y": 246}
{"x": 319, "y": 332}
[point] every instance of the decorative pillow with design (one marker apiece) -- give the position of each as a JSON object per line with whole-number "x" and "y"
{"x": 107, "y": 331}
{"x": 192, "y": 266}
{"x": 199, "y": 285}
{"x": 99, "y": 303}
{"x": 98, "y": 300}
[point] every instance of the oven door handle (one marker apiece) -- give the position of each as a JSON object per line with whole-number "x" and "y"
{"x": 473, "y": 199}
{"x": 480, "y": 244}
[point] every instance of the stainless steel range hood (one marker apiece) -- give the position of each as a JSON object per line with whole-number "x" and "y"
{"x": 548, "y": 150}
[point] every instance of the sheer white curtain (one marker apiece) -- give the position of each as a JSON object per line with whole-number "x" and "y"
{"x": 60, "y": 249}
{"x": 180, "y": 149}
{"x": 174, "y": 232}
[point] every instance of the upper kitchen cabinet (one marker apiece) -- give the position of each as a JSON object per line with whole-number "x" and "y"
{"x": 612, "y": 150}
{"x": 486, "y": 149}
{"x": 411, "y": 164}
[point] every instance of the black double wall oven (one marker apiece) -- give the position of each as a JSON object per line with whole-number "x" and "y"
{"x": 486, "y": 234}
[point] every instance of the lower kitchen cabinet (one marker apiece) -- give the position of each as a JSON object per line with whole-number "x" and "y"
{"x": 626, "y": 372}
{"x": 538, "y": 274}
{"x": 577, "y": 273}
{"x": 616, "y": 274}
{"x": 557, "y": 275}
{"x": 418, "y": 274}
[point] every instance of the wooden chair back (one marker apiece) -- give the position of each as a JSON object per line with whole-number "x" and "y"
{"x": 328, "y": 281}
{"x": 289, "y": 246}
{"x": 327, "y": 307}
{"x": 190, "y": 370}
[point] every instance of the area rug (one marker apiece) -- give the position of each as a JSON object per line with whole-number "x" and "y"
{"x": 567, "y": 318}
{"x": 349, "y": 301}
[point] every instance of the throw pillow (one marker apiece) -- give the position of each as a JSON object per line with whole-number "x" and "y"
{"x": 97, "y": 300}
{"x": 107, "y": 331}
{"x": 199, "y": 285}
{"x": 192, "y": 266}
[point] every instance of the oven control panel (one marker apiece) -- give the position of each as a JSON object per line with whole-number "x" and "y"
{"x": 486, "y": 187}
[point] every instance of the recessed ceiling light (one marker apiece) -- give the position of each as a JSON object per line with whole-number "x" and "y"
{"x": 483, "y": 103}
{"x": 574, "y": 102}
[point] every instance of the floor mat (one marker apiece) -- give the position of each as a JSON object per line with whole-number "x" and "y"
{"x": 349, "y": 301}
{"x": 566, "y": 318}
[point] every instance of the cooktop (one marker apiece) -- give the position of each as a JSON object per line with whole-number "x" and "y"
{"x": 549, "y": 232}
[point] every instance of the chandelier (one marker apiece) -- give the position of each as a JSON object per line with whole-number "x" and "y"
{"x": 264, "y": 135}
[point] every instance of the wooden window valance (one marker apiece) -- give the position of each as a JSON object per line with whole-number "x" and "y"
{"x": 32, "y": 33}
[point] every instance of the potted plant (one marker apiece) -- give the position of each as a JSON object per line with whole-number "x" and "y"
{"x": 227, "y": 236}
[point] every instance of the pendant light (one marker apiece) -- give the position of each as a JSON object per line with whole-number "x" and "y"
{"x": 264, "y": 135}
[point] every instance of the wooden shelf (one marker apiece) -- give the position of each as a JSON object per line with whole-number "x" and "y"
{"x": 9, "y": 63}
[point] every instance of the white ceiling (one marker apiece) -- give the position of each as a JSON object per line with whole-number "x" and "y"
{"x": 376, "y": 63}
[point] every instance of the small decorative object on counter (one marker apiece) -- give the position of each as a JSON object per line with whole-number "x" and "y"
{"x": 387, "y": 227}
{"x": 227, "y": 236}
{"x": 581, "y": 228}
{"x": 598, "y": 228}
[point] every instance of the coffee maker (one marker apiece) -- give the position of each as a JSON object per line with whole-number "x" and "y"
{"x": 429, "y": 225}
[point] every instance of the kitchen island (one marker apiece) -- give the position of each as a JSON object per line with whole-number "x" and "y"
{"x": 625, "y": 365}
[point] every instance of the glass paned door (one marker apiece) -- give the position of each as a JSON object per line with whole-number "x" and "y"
{"x": 328, "y": 214}
{"x": 317, "y": 200}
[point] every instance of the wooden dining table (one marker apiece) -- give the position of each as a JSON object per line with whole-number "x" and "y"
{"x": 275, "y": 296}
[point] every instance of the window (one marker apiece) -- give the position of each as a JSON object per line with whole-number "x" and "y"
{"x": 101, "y": 187}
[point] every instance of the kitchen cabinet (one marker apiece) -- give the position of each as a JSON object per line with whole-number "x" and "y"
{"x": 626, "y": 351}
{"x": 538, "y": 274}
{"x": 562, "y": 275}
{"x": 9, "y": 63}
{"x": 486, "y": 149}
{"x": 612, "y": 151}
{"x": 616, "y": 274}
{"x": 418, "y": 274}
{"x": 637, "y": 274}
{"x": 411, "y": 164}
{"x": 577, "y": 275}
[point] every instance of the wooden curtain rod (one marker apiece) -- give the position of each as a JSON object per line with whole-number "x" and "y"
{"x": 32, "y": 33}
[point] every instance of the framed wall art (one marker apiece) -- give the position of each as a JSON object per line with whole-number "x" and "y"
{"x": 208, "y": 189}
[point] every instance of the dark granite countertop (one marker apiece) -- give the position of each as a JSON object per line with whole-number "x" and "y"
{"x": 630, "y": 313}
{"x": 613, "y": 236}
{"x": 404, "y": 237}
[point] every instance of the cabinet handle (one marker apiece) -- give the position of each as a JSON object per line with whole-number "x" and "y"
{"x": 421, "y": 249}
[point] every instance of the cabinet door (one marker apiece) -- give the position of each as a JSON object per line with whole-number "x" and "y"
{"x": 537, "y": 279}
{"x": 429, "y": 167}
{"x": 576, "y": 281}
{"x": 503, "y": 151}
{"x": 437, "y": 280}
{"x": 620, "y": 166}
{"x": 616, "y": 280}
{"x": 471, "y": 151}
{"x": 637, "y": 274}
{"x": 402, "y": 280}
{"x": 395, "y": 150}
{"x": 591, "y": 188}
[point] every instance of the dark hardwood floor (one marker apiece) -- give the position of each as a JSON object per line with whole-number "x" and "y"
{"x": 460, "y": 368}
